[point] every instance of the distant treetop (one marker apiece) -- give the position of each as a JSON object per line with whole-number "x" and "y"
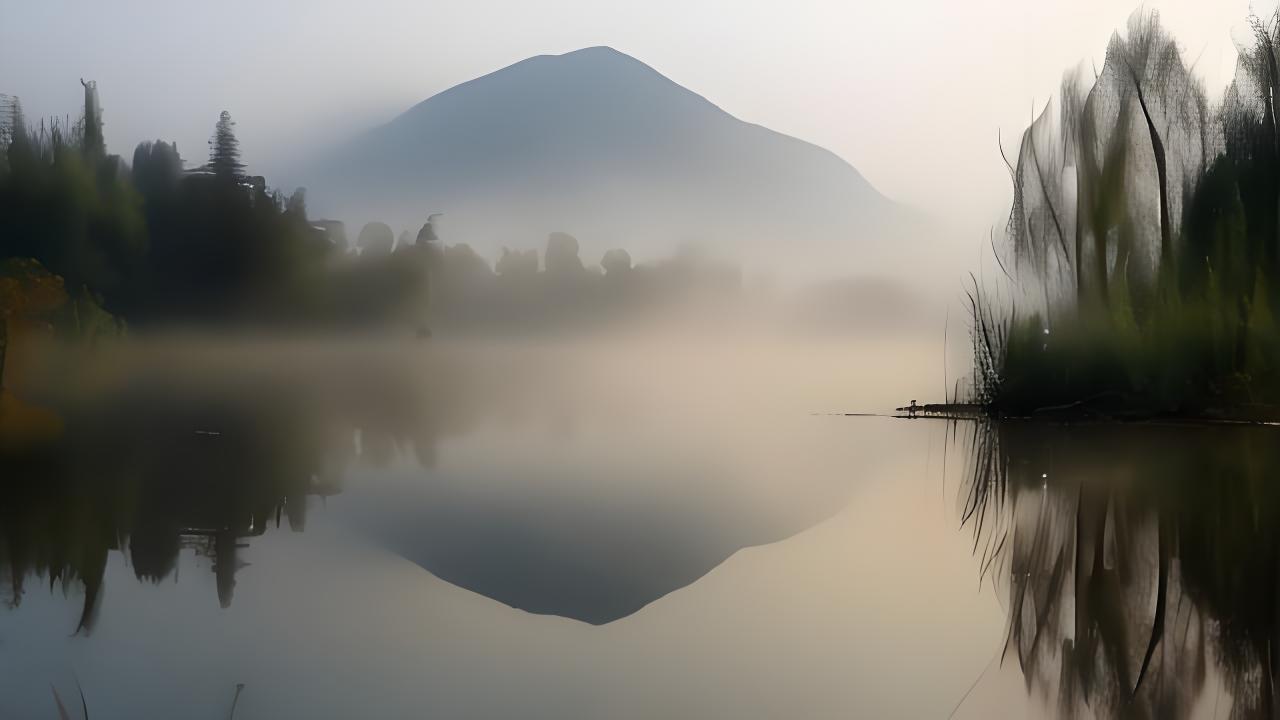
{"x": 224, "y": 149}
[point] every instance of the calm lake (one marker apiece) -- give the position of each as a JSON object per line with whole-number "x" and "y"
{"x": 626, "y": 529}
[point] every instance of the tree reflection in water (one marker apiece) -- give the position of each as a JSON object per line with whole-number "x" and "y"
{"x": 1137, "y": 560}
{"x": 151, "y": 480}
{"x": 181, "y": 455}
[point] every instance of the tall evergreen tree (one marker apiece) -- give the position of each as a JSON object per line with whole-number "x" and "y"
{"x": 17, "y": 124}
{"x": 11, "y": 129}
{"x": 224, "y": 149}
{"x": 7, "y": 108}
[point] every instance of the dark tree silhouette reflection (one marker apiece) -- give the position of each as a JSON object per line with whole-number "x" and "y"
{"x": 150, "y": 486}
{"x": 201, "y": 459}
{"x": 1137, "y": 560}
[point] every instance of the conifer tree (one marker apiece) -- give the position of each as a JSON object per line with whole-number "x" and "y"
{"x": 17, "y": 124}
{"x": 224, "y": 149}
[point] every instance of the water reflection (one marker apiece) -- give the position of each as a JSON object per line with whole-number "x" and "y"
{"x": 536, "y": 532}
{"x": 176, "y": 451}
{"x": 152, "y": 473}
{"x": 1139, "y": 562}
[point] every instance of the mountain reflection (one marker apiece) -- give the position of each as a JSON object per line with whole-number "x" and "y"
{"x": 172, "y": 452}
{"x": 1139, "y": 561}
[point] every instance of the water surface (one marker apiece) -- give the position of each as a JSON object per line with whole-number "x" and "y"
{"x": 632, "y": 529}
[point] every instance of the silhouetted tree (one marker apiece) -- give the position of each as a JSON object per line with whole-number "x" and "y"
{"x": 376, "y": 238}
{"x": 562, "y": 255}
{"x": 94, "y": 146}
{"x": 462, "y": 264}
{"x": 72, "y": 210}
{"x": 157, "y": 167}
{"x": 616, "y": 263}
{"x": 224, "y": 149}
{"x": 429, "y": 242}
{"x": 515, "y": 264}
{"x": 427, "y": 234}
{"x": 296, "y": 205}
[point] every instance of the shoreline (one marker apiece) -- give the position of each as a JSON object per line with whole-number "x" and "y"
{"x": 1077, "y": 415}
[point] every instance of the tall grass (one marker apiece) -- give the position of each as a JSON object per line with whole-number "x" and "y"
{"x": 1144, "y": 243}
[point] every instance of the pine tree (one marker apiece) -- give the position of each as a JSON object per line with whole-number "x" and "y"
{"x": 224, "y": 149}
{"x": 6, "y": 118}
{"x": 17, "y": 149}
{"x": 17, "y": 124}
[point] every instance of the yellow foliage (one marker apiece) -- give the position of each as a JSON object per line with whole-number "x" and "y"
{"x": 29, "y": 294}
{"x": 23, "y": 425}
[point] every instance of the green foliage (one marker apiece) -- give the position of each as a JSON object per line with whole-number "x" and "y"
{"x": 157, "y": 244}
{"x": 1181, "y": 360}
{"x": 1164, "y": 301}
{"x": 79, "y": 216}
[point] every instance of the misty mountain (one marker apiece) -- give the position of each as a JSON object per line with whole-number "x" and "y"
{"x": 600, "y": 145}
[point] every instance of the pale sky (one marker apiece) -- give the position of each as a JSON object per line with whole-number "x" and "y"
{"x": 911, "y": 93}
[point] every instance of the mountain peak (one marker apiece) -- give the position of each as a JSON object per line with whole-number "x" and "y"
{"x": 603, "y": 59}
{"x": 596, "y": 143}
{"x": 593, "y": 61}
{"x": 596, "y": 52}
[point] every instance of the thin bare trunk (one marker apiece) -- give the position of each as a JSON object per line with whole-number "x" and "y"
{"x": 1162, "y": 175}
{"x": 1080, "y": 209}
{"x": 1165, "y": 550}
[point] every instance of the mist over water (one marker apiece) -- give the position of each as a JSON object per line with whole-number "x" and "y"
{"x": 650, "y": 523}
{"x": 417, "y": 522}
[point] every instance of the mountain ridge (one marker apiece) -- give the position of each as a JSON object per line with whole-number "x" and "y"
{"x": 602, "y": 145}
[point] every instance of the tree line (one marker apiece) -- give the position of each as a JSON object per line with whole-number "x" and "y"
{"x": 152, "y": 242}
